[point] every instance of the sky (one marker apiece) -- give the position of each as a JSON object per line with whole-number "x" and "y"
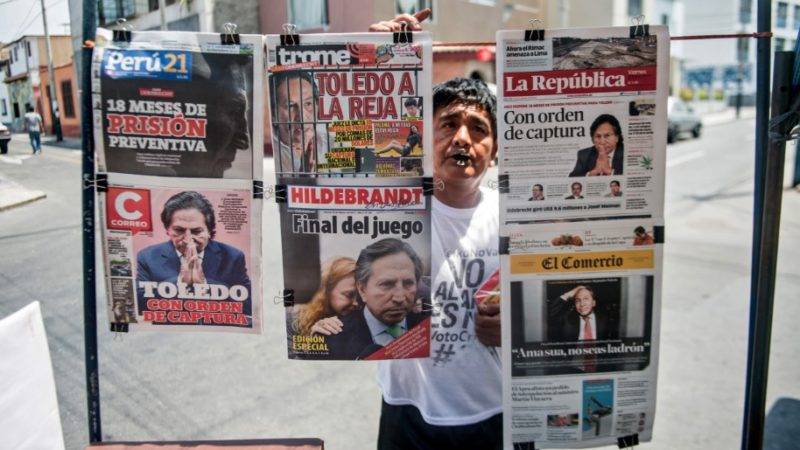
{"x": 19, "y": 17}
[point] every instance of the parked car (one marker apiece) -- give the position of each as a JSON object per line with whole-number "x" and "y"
{"x": 5, "y": 138}
{"x": 681, "y": 118}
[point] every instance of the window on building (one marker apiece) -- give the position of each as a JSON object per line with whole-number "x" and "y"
{"x": 797, "y": 16}
{"x": 780, "y": 43}
{"x": 5, "y": 107}
{"x": 28, "y": 48}
{"x": 14, "y": 57}
{"x": 665, "y": 19}
{"x": 782, "y": 13}
{"x": 745, "y": 7}
{"x": 16, "y": 110}
{"x": 108, "y": 11}
{"x": 412, "y": 6}
{"x": 66, "y": 99}
{"x": 308, "y": 14}
{"x": 634, "y": 7}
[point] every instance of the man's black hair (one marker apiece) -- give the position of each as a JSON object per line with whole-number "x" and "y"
{"x": 379, "y": 249}
{"x": 468, "y": 91}
{"x": 614, "y": 182}
{"x": 639, "y": 230}
{"x": 28, "y": 107}
{"x": 189, "y": 200}
{"x": 410, "y": 101}
{"x": 541, "y": 188}
{"x": 573, "y": 185}
{"x": 279, "y": 78}
{"x": 611, "y": 120}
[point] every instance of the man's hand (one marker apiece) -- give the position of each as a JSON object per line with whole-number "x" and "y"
{"x": 327, "y": 326}
{"x": 571, "y": 294}
{"x": 186, "y": 274}
{"x": 487, "y": 324}
{"x": 412, "y": 22}
{"x": 191, "y": 266}
{"x": 601, "y": 167}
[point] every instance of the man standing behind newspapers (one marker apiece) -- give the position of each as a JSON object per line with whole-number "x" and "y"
{"x": 452, "y": 400}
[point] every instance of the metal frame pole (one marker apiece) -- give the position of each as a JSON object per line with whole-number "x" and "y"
{"x": 766, "y": 227}
{"x": 88, "y": 204}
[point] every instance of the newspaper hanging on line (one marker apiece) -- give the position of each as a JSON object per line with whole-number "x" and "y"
{"x": 178, "y": 104}
{"x": 172, "y": 111}
{"x": 356, "y": 265}
{"x": 582, "y": 131}
{"x": 350, "y": 104}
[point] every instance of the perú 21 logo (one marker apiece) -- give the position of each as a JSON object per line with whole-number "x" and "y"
{"x": 128, "y": 209}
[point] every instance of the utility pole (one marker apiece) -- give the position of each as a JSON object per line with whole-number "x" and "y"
{"x": 54, "y": 115}
{"x": 162, "y": 10}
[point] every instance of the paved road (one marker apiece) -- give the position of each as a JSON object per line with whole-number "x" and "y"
{"x": 203, "y": 386}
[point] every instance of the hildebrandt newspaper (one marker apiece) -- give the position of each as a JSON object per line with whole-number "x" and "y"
{"x": 356, "y": 258}
{"x": 174, "y": 115}
{"x": 350, "y": 104}
{"x": 582, "y": 131}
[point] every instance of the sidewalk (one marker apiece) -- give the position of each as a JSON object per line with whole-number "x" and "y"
{"x": 726, "y": 116}
{"x": 14, "y": 194}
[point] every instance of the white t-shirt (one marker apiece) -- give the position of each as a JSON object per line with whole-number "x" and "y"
{"x": 460, "y": 383}
{"x": 34, "y": 121}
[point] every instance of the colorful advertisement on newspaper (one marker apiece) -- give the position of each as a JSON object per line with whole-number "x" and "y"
{"x": 350, "y": 104}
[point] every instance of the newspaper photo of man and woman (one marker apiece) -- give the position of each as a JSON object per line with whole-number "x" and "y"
{"x": 362, "y": 292}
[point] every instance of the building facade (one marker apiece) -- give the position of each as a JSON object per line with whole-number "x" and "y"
{"x": 5, "y": 100}
{"x": 190, "y": 15}
{"x": 715, "y": 69}
{"x": 27, "y": 67}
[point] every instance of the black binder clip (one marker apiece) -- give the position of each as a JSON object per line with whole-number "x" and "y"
{"x": 639, "y": 28}
{"x": 281, "y": 192}
{"x": 99, "y": 182}
{"x": 123, "y": 32}
{"x": 403, "y": 36}
{"x": 230, "y": 36}
{"x": 534, "y": 34}
{"x": 258, "y": 189}
{"x": 288, "y": 297}
{"x": 289, "y": 37}
{"x": 504, "y": 242}
{"x": 628, "y": 441}
{"x": 658, "y": 234}
{"x": 119, "y": 327}
{"x": 503, "y": 183}
{"x": 427, "y": 186}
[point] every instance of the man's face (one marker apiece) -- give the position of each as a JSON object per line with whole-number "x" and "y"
{"x": 463, "y": 142}
{"x": 584, "y": 302}
{"x": 605, "y": 139}
{"x": 412, "y": 110}
{"x": 188, "y": 226}
{"x": 295, "y": 104}
{"x": 229, "y": 120}
{"x": 537, "y": 192}
{"x": 614, "y": 189}
{"x": 577, "y": 189}
{"x": 391, "y": 290}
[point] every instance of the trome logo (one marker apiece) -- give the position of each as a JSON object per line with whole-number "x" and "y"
{"x": 323, "y": 55}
